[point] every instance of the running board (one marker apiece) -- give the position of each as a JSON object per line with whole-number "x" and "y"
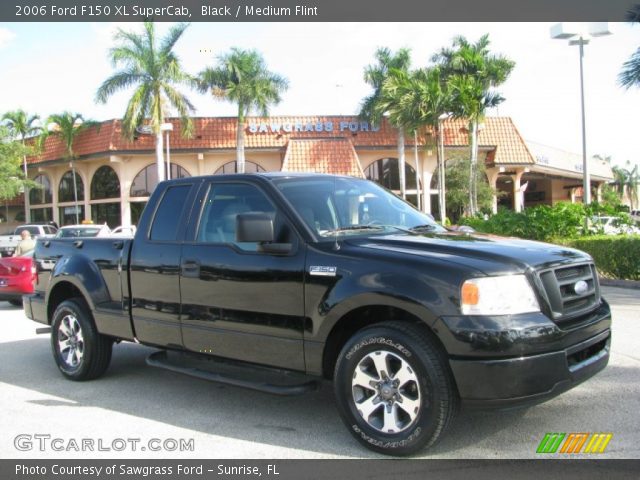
{"x": 43, "y": 330}
{"x": 253, "y": 377}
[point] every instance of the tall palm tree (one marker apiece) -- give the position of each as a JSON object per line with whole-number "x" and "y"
{"x": 21, "y": 125}
{"x": 151, "y": 66}
{"x": 473, "y": 73}
{"x": 67, "y": 126}
{"x": 242, "y": 77}
{"x": 627, "y": 181}
{"x": 374, "y": 106}
{"x": 630, "y": 74}
{"x": 423, "y": 98}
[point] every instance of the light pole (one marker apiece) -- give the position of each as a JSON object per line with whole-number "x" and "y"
{"x": 580, "y": 34}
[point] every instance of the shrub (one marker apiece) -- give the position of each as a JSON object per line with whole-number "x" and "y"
{"x": 615, "y": 256}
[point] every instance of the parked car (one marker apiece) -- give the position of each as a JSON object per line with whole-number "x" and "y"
{"x": 612, "y": 226}
{"x": 296, "y": 278}
{"x": 84, "y": 231}
{"x": 17, "y": 276}
{"x": 8, "y": 243}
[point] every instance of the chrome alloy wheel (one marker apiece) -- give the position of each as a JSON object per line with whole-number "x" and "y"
{"x": 386, "y": 391}
{"x": 70, "y": 341}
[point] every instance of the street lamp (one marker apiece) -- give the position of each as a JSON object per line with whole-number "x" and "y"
{"x": 580, "y": 34}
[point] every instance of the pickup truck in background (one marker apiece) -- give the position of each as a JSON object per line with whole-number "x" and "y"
{"x": 276, "y": 281}
{"x": 9, "y": 243}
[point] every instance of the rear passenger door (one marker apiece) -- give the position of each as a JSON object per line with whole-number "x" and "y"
{"x": 155, "y": 268}
{"x": 237, "y": 302}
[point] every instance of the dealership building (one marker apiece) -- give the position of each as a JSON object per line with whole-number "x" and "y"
{"x": 115, "y": 176}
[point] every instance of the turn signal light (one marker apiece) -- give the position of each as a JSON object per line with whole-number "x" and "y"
{"x": 470, "y": 294}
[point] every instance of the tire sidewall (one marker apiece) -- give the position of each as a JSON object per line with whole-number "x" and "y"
{"x": 426, "y": 424}
{"x": 70, "y": 307}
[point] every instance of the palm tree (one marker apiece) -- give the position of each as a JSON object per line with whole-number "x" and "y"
{"x": 21, "y": 125}
{"x": 152, "y": 67}
{"x": 374, "y": 106}
{"x": 242, "y": 77}
{"x": 67, "y": 126}
{"x": 423, "y": 98}
{"x": 630, "y": 74}
{"x": 627, "y": 181}
{"x": 473, "y": 73}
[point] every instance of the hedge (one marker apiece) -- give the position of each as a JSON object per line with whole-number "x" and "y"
{"x": 616, "y": 256}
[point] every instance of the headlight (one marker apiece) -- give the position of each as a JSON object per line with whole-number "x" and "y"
{"x": 505, "y": 295}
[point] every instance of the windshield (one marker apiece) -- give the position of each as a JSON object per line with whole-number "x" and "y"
{"x": 350, "y": 206}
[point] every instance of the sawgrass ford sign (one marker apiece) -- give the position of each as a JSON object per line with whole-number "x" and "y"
{"x": 343, "y": 126}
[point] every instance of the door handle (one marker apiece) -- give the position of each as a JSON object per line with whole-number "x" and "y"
{"x": 78, "y": 243}
{"x": 118, "y": 244}
{"x": 190, "y": 268}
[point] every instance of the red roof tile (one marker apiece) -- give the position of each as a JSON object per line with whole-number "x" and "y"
{"x": 325, "y": 155}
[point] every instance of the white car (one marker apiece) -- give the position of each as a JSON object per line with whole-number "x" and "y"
{"x": 83, "y": 231}
{"x": 612, "y": 226}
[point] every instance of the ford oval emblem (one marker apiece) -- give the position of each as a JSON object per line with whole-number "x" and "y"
{"x": 581, "y": 287}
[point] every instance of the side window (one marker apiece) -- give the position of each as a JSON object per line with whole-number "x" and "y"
{"x": 169, "y": 212}
{"x": 223, "y": 204}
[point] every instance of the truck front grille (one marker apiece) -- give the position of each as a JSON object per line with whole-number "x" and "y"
{"x": 570, "y": 291}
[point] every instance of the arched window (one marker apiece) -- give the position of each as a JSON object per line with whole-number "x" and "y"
{"x": 42, "y": 194}
{"x": 232, "y": 167}
{"x": 386, "y": 173}
{"x": 105, "y": 184}
{"x": 65, "y": 190}
{"x": 147, "y": 179}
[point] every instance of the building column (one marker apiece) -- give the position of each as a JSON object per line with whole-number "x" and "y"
{"x": 201, "y": 164}
{"x": 492, "y": 176}
{"x": 55, "y": 182}
{"x": 599, "y": 192}
{"x": 518, "y": 200}
{"x": 426, "y": 191}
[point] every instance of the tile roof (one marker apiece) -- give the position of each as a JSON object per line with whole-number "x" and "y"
{"x": 324, "y": 155}
{"x": 15, "y": 201}
{"x": 275, "y": 133}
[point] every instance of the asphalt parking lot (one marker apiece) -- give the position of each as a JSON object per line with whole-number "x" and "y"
{"x": 134, "y": 403}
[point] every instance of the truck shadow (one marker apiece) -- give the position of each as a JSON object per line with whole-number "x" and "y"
{"x": 309, "y": 422}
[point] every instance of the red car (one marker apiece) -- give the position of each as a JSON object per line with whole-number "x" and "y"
{"x": 17, "y": 276}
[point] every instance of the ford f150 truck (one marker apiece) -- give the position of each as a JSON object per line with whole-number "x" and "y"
{"x": 275, "y": 281}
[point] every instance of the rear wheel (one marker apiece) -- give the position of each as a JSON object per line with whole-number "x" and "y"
{"x": 394, "y": 389}
{"x": 80, "y": 351}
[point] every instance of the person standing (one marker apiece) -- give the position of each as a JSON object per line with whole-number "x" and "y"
{"x": 25, "y": 245}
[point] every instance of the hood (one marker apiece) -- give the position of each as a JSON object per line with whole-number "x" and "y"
{"x": 488, "y": 253}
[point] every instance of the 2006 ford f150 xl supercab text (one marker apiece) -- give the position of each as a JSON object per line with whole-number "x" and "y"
{"x": 275, "y": 281}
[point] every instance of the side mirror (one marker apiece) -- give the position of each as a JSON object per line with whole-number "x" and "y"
{"x": 257, "y": 227}
{"x": 254, "y": 227}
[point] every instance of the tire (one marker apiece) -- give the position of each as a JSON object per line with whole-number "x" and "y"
{"x": 79, "y": 350}
{"x": 16, "y": 303}
{"x": 409, "y": 395}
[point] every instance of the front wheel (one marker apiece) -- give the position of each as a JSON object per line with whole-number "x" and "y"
{"x": 80, "y": 351}
{"x": 394, "y": 389}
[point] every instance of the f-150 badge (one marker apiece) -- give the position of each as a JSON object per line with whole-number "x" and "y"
{"x": 322, "y": 271}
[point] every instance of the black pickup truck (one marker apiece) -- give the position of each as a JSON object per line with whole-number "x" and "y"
{"x": 276, "y": 281}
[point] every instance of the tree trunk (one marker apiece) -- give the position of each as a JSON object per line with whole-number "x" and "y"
{"x": 401, "y": 163}
{"x": 27, "y": 212}
{"x": 441, "y": 175}
{"x": 240, "y": 140}
{"x": 159, "y": 156}
{"x": 473, "y": 142}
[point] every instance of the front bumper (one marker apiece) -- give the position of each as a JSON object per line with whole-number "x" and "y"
{"x": 510, "y": 367}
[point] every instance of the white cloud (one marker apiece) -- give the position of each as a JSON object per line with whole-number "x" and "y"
{"x": 6, "y": 36}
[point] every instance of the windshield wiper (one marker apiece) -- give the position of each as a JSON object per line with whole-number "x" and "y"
{"x": 427, "y": 227}
{"x": 354, "y": 228}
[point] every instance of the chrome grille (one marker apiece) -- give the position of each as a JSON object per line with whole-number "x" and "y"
{"x": 559, "y": 287}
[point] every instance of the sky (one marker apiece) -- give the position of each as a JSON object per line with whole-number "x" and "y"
{"x": 52, "y": 67}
